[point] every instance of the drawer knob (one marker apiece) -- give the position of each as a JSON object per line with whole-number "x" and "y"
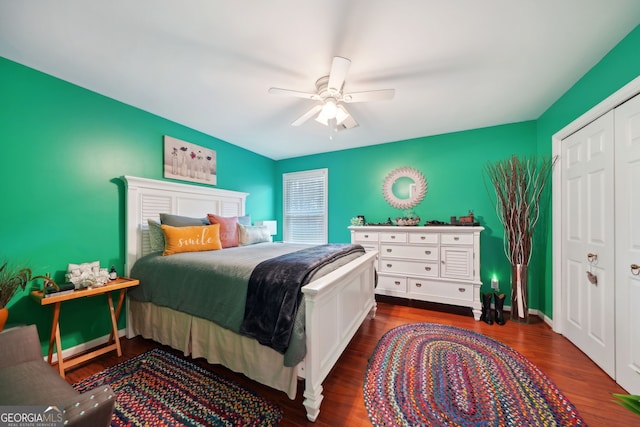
{"x": 427, "y": 252}
{"x": 418, "y": 285}
{"x": 422, "y": 237}
{"x": 428, "y": 268}
{"x": 389, "y": 250}
{"x": 393, "y": 237}
{"x": 456, "y": 238}
{"x": 388, "y": 265}
{"x": 366, "y": 236}
{"x": 397, "y": 283}
{"x": 462, "y": 290}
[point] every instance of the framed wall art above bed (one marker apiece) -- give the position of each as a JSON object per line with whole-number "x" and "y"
{"x": 188, "y": 162}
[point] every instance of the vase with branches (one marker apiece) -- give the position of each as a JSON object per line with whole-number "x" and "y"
{"x": 518, "y": 184}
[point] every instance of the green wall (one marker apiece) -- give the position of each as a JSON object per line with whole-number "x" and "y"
{"x": 620, "y": 66}
{"x": 453, "y": 165}
{"x": 64, "y": 147}
{"x": 63, "y": 151}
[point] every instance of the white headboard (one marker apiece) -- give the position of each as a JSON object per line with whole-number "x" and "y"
{"x": 148, "y": 198}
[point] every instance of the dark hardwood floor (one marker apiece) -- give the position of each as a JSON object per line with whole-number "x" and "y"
{"x": 586, "y": 385}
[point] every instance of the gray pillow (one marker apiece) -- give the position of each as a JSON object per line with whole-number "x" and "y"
{"x": 181, "y": 221}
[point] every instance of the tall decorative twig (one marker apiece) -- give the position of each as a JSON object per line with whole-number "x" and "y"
{"x": 518, "y": 184}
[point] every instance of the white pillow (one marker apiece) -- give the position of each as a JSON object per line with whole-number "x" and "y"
{"x": 251, "y": 234}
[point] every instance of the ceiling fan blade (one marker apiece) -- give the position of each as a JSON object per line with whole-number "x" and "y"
{"x": 347, "y": 122}
{"x": 294, "y": 93}
{"x": 306, "y": 116}
{"x": 371, "y": 95}
{"x": 338, "y": 73}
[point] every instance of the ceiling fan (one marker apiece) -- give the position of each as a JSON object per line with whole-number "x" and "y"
{"x": 330, "y": 110}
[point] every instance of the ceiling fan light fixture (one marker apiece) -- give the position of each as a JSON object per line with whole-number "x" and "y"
{"x": 339, "y": 116}
{"x": 329, "y": 109}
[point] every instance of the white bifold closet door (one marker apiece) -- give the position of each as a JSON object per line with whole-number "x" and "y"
{"x": 627, "y": 222}
{"x": 588, "y": 241}
{"x": 601, "y": 242}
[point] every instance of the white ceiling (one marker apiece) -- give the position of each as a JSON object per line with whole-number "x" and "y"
{"x": 207, "y": 64}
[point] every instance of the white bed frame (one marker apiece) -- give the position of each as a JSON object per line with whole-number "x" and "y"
{"x": 336, "y": 304}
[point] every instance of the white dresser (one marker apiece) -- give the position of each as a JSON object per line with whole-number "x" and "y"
{"x": 437, "y": 264}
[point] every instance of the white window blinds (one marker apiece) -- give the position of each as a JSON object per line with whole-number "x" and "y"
{"x": 305, "y": 206}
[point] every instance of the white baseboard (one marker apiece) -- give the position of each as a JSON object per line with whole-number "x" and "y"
{"x": 535, "y": 312}
{"x": 81, "y": 348}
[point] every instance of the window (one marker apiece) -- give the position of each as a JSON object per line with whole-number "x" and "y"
{"x": 305, "y": 206}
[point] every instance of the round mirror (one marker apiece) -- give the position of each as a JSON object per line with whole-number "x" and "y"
{"x": 404, "y": 188}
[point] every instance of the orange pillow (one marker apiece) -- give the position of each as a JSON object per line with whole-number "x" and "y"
{"x": 228, "y": 229}
{"x": 191, "y": 239}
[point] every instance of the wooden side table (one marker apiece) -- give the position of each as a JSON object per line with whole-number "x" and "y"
{"x": 121, "y": 284}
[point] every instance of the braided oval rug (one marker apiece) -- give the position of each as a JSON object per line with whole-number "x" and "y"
{"x": 159, "y": 389}
{"x": 427, "y": 374}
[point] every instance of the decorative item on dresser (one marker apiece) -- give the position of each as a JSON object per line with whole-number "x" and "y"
{"x": 439, "y": 264}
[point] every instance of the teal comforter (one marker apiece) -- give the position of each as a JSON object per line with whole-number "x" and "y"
{"x": 213, "y": 285}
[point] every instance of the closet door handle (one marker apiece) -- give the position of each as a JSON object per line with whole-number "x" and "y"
{"x": 635, "y": 269}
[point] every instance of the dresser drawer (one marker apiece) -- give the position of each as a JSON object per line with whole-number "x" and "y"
{"x": 426, "y": 253}
{"x": 369, "y": 248}
{"x": 457, "y": 291}
{"x": 392, "y": 283}
{"x": 366, "y": 236}
{"x": 457, "y": 239}
{"x": 427, "y": 238}
{"x": 393, "y": 237}
{"x": 415, "y": 268}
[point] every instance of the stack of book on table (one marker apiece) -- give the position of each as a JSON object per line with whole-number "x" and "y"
{"x": 62, "y": 289}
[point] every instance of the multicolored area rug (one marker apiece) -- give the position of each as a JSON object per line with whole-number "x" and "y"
{"x": 426, "y": 374}
{"x": 159, "y": 389}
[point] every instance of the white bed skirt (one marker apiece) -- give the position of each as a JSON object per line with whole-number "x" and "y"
{"x": 197, "y": 337}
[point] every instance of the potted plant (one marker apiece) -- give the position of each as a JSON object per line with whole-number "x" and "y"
{"x": 518, "y": 184}
{"x": 629, "y": 401}
{"x": 12, "y": 277}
